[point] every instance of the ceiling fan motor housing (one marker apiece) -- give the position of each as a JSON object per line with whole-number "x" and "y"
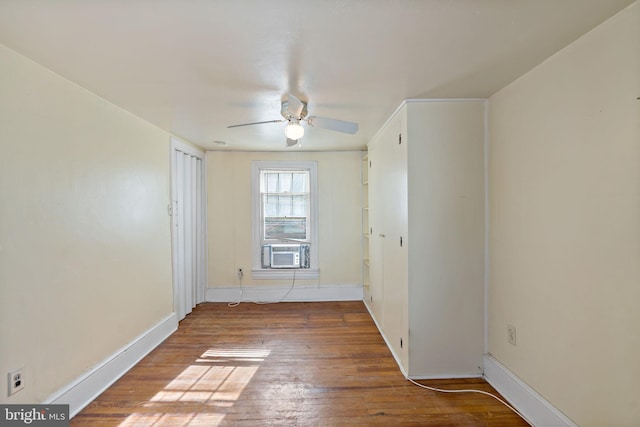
{"x": 284, "y": 110}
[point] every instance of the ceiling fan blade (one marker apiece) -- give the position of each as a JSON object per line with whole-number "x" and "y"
{"x": 292, "y": 142}
{"x": 295, "y": 106}
{"x": 256, "y": 123}
{"x": 333, "y": 124}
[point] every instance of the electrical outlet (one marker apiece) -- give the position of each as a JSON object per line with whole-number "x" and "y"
{"x": 511, "y": 334}
{"x": 16, "y": 381}
{"x": 240, "y": 273}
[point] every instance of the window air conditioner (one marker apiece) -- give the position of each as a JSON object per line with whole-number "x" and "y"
{"x": 285, "y": 256}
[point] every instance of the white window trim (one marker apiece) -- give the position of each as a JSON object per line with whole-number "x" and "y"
{"x": 257, "y": 272}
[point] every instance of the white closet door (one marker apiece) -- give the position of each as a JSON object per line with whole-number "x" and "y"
{"x": 193, "y": 239}
{"x": 188, "y": 231}
{"x": 200, "y": 233}
{"x": 179, "y": 235}
{"x": 188, "y": 234}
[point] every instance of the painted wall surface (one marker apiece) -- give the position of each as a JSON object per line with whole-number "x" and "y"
{"x": 446, "y": 232}
{"x": 85, "y": 252}
{"x": 565, "y": 225}
{"x": 229, "y": 216}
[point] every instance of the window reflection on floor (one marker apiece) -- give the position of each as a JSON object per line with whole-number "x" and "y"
{"x": 217, "y": 379}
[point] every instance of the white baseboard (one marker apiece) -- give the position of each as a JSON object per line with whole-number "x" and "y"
{"x": 84, "y": 389}
{"x": 533, "y": 407}
{"x": 282, "y": 293}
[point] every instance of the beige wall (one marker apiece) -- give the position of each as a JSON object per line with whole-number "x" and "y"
{"x": 564, "y": 173}
{"x": 85, "y": 261}
{"x": 229, "y": 215}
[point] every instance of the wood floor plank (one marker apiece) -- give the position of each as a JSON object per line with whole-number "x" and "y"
{"x": 287, "y": 364}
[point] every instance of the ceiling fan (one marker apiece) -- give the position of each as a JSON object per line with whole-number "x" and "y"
{"x": 295, "y": 111}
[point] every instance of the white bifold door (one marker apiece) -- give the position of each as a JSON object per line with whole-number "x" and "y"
{"x": 188, "y": 227}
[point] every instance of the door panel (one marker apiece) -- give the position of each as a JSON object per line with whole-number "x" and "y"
{"x": 188, "y": 231}
{"x": 394, "y": 273}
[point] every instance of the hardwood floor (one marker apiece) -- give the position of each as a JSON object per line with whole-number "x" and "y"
{"x": 287, "y": 364}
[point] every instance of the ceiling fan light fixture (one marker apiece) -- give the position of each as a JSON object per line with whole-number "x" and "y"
{"x": 294, "y": 130}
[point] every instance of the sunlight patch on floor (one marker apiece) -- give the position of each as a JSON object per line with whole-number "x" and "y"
{"x": 173, "y": 419}
{"x": 218, "y": 378}
{"x": 240, "y": 355}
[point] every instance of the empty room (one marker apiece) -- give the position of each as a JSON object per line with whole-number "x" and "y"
{"x": 338, "y": 212}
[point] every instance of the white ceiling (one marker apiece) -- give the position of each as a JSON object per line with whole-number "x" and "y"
{"x": 195, "y": 67}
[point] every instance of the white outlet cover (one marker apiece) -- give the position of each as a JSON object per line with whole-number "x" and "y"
{"x": 15, "y": 381}
{"x": 511, "y": 334}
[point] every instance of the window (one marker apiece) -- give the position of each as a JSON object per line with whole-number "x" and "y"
{"x": 284, "y": 197}
{"x": 284, "y": 211}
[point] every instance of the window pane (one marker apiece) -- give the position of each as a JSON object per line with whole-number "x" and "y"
{"x": 285, "y": 228}
{"x": 270, "y": 182}
{"x": 270, "y": 205}
{"x": 299, "y": 206}
{"x": 285, "y": 182}
{"x": 273, "y": 181}
{"x": 285, "y": 214}
{"x": 299, "y": 183}
{"x": 285, "y": 204}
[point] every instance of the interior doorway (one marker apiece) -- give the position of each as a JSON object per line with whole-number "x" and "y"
{"x": 188, "y": 226}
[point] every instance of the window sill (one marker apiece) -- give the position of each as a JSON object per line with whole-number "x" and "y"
{"x": 285, "y": 273}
